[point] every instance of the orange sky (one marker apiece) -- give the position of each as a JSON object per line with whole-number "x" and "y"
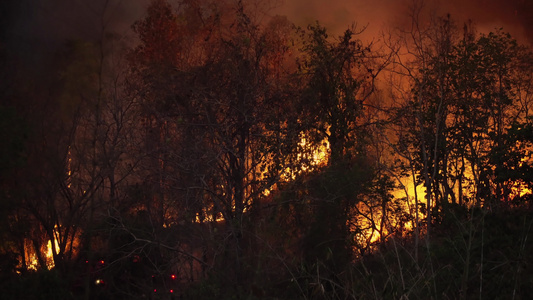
{"x": 515, "y": 16}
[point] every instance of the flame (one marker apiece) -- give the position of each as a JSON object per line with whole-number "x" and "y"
{"x": 311, "y": 157}
{"x": 46, "y": 252}
{"x": 69, "y": 168}
{"x": 49, "y": 254}
{"x": 32, "y": 261}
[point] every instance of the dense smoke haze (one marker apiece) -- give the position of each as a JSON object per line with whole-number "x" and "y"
{"x": 514, "y": 16}
{"x": 46, "y": 22}
{"x": 35, "y": 30}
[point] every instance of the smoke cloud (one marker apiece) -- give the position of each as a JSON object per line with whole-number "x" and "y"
{"x": 515, "y": 16}
{"x": 34, "y": 29}
{"x": 49, "y": 21}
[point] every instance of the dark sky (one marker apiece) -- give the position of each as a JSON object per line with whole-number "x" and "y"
{"x": 29, "y": 25}
{"x": 49, "y": 20}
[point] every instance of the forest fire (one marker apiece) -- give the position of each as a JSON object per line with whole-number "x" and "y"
{"x": 217, "y": 150}
{"x": 42, "y": 257}
{"x": 32, "y": 257}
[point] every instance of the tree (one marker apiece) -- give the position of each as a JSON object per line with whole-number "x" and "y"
{"x": 337, "y": 80}
{"x": 77, "y": 132}
{"x": 463, "y": 99}
{"x": 215, "y": 125}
